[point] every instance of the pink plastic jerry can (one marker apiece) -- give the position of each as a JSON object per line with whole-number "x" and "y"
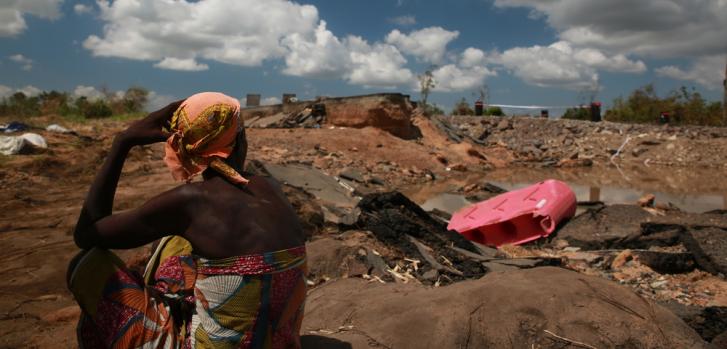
{"x": 518, "y": 216}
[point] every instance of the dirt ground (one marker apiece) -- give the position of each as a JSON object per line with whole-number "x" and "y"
{"x": 43, "y": 191}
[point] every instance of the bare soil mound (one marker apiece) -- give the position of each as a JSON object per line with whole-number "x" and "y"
{"x": 536, "y": 308}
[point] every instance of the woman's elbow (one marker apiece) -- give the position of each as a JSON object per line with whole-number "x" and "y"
{"x": 83, "y": 239}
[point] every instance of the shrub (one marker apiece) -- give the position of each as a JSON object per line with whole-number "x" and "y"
{"x": 97, "y": 109}
{"x": 581, "y": 113}
{"x": 684, "y": 107}
{"x": 494, "y": 111}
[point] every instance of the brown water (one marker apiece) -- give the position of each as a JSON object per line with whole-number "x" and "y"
{"x": 692, "y": 190}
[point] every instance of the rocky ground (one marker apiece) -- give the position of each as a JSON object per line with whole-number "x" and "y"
{"x": 386, "y": 273}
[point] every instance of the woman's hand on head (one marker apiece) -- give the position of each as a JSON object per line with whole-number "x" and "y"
{"x": 150, "y": 129}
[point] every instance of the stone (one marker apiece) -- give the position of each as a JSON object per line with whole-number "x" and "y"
{"x": 709, "y": 247}
{"x": 658, "y": 284}
{"x": 647, "y": 200}
{"x": 587, "y": 257}
{"x": 503, "y": 125}
{"x": 431, "y": 275}
{"x": 499, "y": 268}
{"x": 604, "y": 227}
{"x": 525, "y": 303}
{"x": 621, "y": 259}
{"x": 666, "y": 262}
{"x": 352, "y": 174}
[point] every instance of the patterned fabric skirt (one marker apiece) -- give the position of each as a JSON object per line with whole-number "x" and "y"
{"x": 184, "y": 301}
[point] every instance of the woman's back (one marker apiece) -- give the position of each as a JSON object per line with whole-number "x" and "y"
{"x": 229, "y": 220}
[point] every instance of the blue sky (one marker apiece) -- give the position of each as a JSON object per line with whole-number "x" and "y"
{"x": 526, "y": 52}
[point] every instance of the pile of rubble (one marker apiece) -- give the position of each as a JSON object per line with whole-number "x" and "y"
{"x": 568, "y": 143}
{"x": 310, "y": 116}
{"x": 671, "y": 257}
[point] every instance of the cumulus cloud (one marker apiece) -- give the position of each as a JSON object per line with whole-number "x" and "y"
{"x": 428, "y": 44}
{"x": 658, "y": 28}
{"x": 561, "y": 65}
{"x": 379, "y": 65}
{"x": 707, "y": 71}
{"x": 5, "y": 91}
{"x": 265, "y": 101}
{"x": 320, "y": 54}
{"x": 270, "y": 101}
{"x": 243, "y": 32}
{"x": 25, "y": 62}
{"x": 13, "y": 12}
{"x": 156, "y": 101}
{"x": 353, "y": 59}
{"x": 404, "y": 21}
{"x": 451, "y": 78}
{"x": 30, "y": 91}
{"x": 90, "y": 92}
{"x": 189, "y": 64}
{"x": 467, "y": 73}
{"x": 81, "y": 9}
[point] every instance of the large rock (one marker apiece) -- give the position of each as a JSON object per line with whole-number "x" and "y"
{"x": 518, "y": 309}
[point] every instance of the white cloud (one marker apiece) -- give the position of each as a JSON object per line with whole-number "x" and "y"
{"x": 707, "y": 71}
{"x": 25, "y": 62}
{"x": 90, "y": 92}
{"x": 80, "y": 9}
{"x": 353, "y": 59}
{"x": 380, "y": 65}
{"x": 673, "y": 28}
{"x": 547, "y": 66}
{"x": 428, "y": 44}
{"x": 320, "y": 54}
{"x": 450, "y": 78}
{"x": 560, "y": 65}
{"x": 265, "y": 101}
{"x": 6, "y": 91}
{"x": 270, "y": 101}
{"x": 472, "y": 57}
{"x": 156, "y": 101}
{"x": 403, "y": 21}
{"x": 189, "y": 64}
{"x": 30, "y": 91}
{"x": 13, "y": 12}
{"x": 243, "y": 32}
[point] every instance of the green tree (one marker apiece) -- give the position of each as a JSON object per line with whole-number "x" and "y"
{"x": 135, "y": 99}
{"x": 426, "y": 85}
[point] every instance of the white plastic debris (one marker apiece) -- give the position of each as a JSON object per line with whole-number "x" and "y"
{"x": 35, "y": 139}
{"x": 12, "y": 145}
{"x": 57, "y": 128}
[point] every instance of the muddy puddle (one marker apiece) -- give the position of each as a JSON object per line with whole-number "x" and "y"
{"x": 692, "y": 190}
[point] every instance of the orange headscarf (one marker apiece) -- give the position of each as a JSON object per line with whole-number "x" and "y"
{"x": 204, "y": 130}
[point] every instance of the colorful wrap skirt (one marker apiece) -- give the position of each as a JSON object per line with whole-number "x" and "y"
{"x": 185, "y": 301}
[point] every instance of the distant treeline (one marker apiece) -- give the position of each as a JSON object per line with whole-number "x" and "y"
{"x": 681, "y": 107}
{"x": 61, "y": 103}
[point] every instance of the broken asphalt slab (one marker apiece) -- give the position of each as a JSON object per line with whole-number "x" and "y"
{"x": 324, "y": 187}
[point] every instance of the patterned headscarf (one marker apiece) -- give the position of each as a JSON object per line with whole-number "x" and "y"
{"x": 204, "y": 130}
